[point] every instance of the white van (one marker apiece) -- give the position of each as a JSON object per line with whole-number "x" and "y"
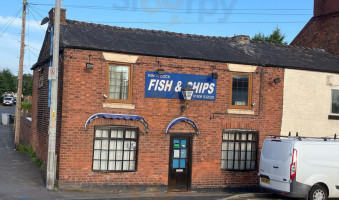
{"x": 300, "y": 167}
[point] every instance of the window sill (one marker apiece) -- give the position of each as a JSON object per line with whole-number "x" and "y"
{"x": 119, "y": 105}
{"x": 333, "y": 116}
{"x": 240, "y": 111}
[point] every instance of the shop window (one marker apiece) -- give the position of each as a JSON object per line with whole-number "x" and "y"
{"x": 119, "y": 88}
{"x": 115, "y": 149}
{"x": 335, "y": 101}
{"x": 241, "y": 91}
{"x": 239, "y": 150}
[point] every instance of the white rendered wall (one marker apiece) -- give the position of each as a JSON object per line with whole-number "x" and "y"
{"x": 307, "y": 103}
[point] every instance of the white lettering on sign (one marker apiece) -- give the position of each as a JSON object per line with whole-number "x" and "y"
{"x": 160, "y": 85}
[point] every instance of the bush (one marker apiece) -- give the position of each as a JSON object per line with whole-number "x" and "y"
{"x": 26, "y": 105}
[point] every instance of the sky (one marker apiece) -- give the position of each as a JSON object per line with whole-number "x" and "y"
{"x": 203, "y": 17}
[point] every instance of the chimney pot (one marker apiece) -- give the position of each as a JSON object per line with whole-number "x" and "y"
{"x": 242, "y": 39}
{"x": 62, "y": 16}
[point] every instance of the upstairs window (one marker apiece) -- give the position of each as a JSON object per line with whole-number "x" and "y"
{"x": 119, "y": 87}
{"x": 241, "y": 91}
{"x": 41, "y": 77}
{"x": 239, "y": 150}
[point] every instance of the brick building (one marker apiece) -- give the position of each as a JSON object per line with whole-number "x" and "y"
{"x": 322, "y": 31}
{"x": 122, "y": 121}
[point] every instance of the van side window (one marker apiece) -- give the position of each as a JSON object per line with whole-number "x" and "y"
{"x": 239, "y": 150}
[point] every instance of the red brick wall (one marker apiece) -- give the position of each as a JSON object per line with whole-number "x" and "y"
{"x": 323, "y": 7}
{"x": 320, "y": 32}
{"x": 82, "y": 97}
{"x": 25, "y": 129}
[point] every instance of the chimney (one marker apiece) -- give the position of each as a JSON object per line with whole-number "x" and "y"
{"x": 323, "y": 7}
{"x": 242, "y": 39}
{"x": 62, "y": 16}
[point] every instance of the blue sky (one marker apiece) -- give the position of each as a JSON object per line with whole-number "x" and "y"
{"x": 203, "y": 17}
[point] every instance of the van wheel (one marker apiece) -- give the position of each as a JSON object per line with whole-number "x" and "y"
{"x": 318, "y": 192}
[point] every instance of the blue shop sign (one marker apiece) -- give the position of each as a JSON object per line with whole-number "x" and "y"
{"x": 169, "y": 86}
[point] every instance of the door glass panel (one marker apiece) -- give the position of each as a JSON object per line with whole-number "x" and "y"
{"x": 176, "y": 153}
{"x": 182, "y": 163}
{"x": 175, "y": 163}
{"x": 183, "y": 153}
{"x": 183, "y": 143}
{"x": 176, "y": 143}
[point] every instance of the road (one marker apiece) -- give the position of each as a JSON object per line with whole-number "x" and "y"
{"x": 7, "y": 109}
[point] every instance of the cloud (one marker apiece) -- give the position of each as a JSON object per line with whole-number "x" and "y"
{"x": 16, "y": 23}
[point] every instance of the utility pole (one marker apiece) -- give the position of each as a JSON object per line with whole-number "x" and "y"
{"x": 53, "y": 76}
{"x": 21, "y": 66}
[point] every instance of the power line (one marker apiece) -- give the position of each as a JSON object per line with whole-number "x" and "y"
{"x": 29, "y": 8}
{"x": 9, "y": 23}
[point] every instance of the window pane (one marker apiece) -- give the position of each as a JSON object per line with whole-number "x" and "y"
{"x": 127, "y": 145}
{"x": 236, "y": 165}
{"x": 96, "y": 154}
{"x": 237, "y": 146}
{"x": 96, "y": 165}
{"x": 223, "y": 164}
{"x": 230, "y": 155}
{"x": 105, "y": 133}
{"x": 119, "y": 145}
{"x": 231, "y": 136}
{"x": 120, "y": 133}
{"x": 118, "y": 82}
{"x": 133, "y": 145}
{"x": 224, "y": 146}
{"x": 132, "y": 165}
{"x": 125, "y": 165}
{"x": 223, "y": 155}
{"x": 133, "y": 134}
{"x": 225, "y": 136}
{"x": 118, "y": 165}
{"x": 98, "y": 133}
{"x": 114, "y": 133}
{"x": 128, "y": 134}
{"x": 176, "y": 153}
{"x": 104, "y": 144}
{"x": 250, "y": 136}
{"x": 243, "y": 136}
{"x": 119, "y": 155}
{"x": 231, "y": 146}
{"x": 182, "y": 163}
{"x": 183, "y": 143}
{"x": 240, "y": 90}
{"x": 97, "y": 144}
{"x": 103, "y": 165}
{"x": 126, "y": 155}
{"x": 183, "y": 153}
{"x": 111, "y": 165}
{"x": 112, "y": 155}
{"x": 112, "y": 145}
{"x": 132, "y": 155}
{"x": 230, "y": 164}
{"x": 104, "y": 155}
{"x": 175, "y": 163}
{"x": 242, "y": 165}
{"x": 335, "y": 101}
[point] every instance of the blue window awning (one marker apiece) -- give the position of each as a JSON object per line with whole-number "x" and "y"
{"x": 182, "y": 119}
{"x": 117, "y": 116}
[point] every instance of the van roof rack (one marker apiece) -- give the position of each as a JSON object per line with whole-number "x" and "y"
{"x": 302, "y": 137}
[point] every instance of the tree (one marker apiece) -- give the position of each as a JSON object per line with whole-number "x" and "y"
{"x": 27, "y": 84}
{"x": 276, "y": 37}
{"x": 7, "y": 82}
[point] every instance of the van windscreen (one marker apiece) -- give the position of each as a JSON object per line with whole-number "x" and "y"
{"x": 275, "y": 150}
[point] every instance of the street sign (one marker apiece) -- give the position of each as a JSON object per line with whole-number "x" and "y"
{"x": 52, "y": 73}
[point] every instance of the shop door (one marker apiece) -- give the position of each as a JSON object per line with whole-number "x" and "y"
{"x": 180, "y": 163}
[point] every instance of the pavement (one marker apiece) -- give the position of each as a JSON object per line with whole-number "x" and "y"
{"x": 20, "y": 179}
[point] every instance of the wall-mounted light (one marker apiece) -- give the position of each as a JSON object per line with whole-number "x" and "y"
{"x": 276, "y": 80}
{"x": 160, "y": 71}
{"x": 187, "y": 93}
{"x": 214, "y": 75}
{"x": 89, "y": 66}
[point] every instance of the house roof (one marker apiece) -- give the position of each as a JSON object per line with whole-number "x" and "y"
{"x": 81, "y": 35}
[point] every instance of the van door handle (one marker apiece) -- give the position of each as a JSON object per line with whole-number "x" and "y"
{"x": 275, "y": 167}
